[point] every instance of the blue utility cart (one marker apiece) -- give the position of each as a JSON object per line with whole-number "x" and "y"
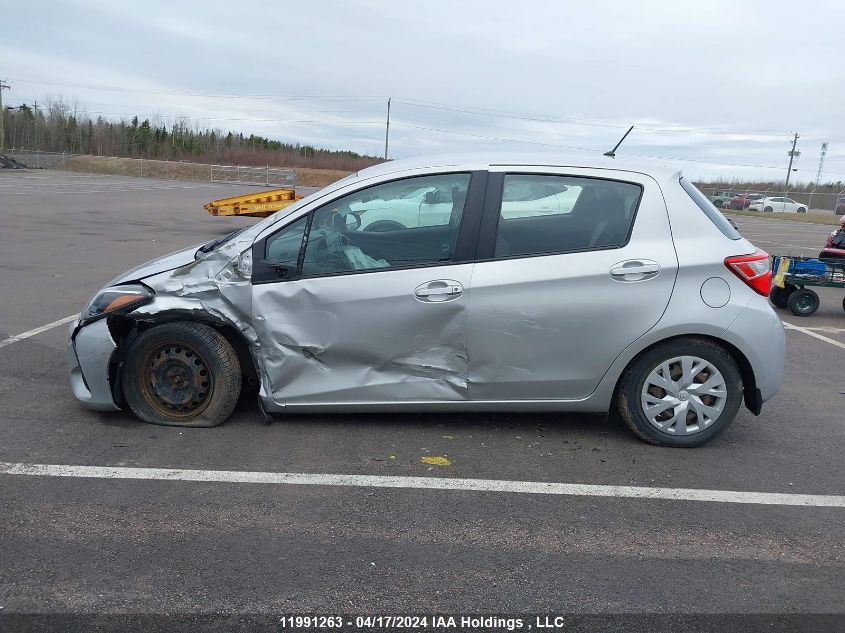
{"x": 792, "y": 275}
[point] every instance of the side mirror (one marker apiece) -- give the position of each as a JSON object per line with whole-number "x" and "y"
{"x": 353, "y": 221}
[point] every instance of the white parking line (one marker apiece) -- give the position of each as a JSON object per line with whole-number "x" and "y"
{"x": 423, "y": 483}
{"x": 808, "y": 332}
{"x": 38, "y": 330}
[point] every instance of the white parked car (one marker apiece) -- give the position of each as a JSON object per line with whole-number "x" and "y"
{"x": 527, "y": 196}
{"x": 778, "y": 205}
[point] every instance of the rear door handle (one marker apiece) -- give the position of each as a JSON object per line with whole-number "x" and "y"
{"x": 635, "y": 270}
{"x": 439, "y": 290}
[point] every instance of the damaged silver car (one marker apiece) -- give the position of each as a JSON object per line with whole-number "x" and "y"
{"x": 452, "y": 284}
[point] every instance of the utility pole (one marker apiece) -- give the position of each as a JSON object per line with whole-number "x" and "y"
{"x": 792, "y": 154}
{"x": 387, "y": 129}
{"x": 822, "y": 154}
{"x": 3, "y": 86}
{"x": 35, "y": 124}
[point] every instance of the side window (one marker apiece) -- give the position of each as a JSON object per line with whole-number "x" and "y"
{"x": 554, "y": 214}
{"x": 283, "y": 248}
{"x": 402, "y": 223}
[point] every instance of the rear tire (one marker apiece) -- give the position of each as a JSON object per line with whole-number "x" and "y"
{"x": 780, "y": 296}
{"x": 803, "y": 302}
{"x": 182, "y": 373}
{"x": 690, "y": 417}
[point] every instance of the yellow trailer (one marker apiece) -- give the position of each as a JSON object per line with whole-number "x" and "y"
{"x": 253, "y": 204}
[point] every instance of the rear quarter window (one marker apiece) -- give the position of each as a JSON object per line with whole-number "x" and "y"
{"x": 710, "y": 211}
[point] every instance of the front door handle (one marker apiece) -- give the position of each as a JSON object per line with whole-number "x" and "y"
{"x": 635, "y": 270}
{"x": 439, "y": 290}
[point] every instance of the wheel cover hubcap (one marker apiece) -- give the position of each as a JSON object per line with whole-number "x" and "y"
{"x": 683, "y": 395}
{"x": 177, "y": 382}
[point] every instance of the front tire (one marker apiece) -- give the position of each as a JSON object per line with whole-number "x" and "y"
{"x": 768, "y": 210}
{"x": 182, "y": 373}
{"x": 682, "y": 393}
{"x": 802, "y": 210}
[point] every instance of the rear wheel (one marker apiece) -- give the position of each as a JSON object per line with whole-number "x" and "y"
{"x": 182, "y": 374}
{"x": 682, "y": 393}
{"x": 780, "y": 296}
{"x": 803, "y": 302}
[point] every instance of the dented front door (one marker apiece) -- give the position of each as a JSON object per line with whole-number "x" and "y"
{"x": 394, "y": 336}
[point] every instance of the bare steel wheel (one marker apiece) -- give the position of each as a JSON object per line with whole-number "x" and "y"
{"x": 182, "y": 374}
{"x": 177, "y": 383}
{"x": 682, "y": 392}
{"x": 683, "y": 395}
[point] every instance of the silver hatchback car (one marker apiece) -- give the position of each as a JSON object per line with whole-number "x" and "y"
{"x": 452, "y": 284}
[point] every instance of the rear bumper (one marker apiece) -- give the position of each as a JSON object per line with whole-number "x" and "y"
{"x": 758, "y": 333}
{"x": 88, "y": 354}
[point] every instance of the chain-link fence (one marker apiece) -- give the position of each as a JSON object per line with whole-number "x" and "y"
{"x": 170, "y": 170}
{"x": 804, "y": 200}
{"x": 268, "y": 176}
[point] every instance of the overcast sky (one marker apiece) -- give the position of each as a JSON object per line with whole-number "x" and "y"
{"x": 717, "y": 86}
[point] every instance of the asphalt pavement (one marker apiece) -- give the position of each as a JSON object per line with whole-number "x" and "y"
{"x": 82, "y": 545}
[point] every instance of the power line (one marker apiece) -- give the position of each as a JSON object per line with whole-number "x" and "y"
{"x": 207, "y": 94}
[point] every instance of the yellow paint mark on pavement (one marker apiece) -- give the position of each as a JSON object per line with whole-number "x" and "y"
{"x": 435, "y": 460}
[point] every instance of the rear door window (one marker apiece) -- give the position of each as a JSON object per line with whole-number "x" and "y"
{"x": 545, "y": 214}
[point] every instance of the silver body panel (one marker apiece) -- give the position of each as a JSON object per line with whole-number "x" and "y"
{"x": 551, "y": 332}
{"x": 88, "y": 355}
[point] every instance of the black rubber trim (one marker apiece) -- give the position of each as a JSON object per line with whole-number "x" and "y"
{"x": 753, "y": 400}
{"x": 490, "y": 218}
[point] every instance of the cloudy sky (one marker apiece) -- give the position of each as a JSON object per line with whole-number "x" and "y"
{"x": 717, "y": 87}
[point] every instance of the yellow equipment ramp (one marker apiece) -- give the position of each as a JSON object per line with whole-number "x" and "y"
{"x": 253, "y": 204}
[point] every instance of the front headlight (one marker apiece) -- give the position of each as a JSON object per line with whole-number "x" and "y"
{"x": 116, "y": 300}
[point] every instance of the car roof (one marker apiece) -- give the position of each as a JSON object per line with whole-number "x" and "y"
{"x": 485, "y": 160}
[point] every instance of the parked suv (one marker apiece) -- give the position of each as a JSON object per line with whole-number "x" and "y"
{"x": 631, "y": 294}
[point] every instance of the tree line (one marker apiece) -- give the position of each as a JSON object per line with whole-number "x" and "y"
{"x": 60, "y": 127}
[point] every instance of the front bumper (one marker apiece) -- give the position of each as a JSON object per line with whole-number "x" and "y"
{"x": 89, "y": 353}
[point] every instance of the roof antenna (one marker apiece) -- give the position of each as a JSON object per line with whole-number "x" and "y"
{"x": 612, "y": 153}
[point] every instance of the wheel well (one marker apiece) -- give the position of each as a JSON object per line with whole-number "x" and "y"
{"x": 124, "y": 331}
{"x": 746, "y": 372}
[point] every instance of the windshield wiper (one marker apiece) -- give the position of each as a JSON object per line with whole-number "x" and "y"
{"x": 213, "y": 244}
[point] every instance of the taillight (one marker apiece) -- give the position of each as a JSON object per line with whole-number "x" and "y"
{"x": 753, "y": 270}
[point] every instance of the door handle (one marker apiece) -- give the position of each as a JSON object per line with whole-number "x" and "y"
{"x": 635, "y": 270}
{"x": 439, "y": 290}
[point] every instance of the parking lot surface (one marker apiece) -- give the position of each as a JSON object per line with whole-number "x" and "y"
{"x": 172, "y": 545}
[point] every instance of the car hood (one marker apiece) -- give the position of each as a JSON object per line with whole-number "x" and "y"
{"x": 174, "y": 260}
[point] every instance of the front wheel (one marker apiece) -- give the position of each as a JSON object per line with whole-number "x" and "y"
{"x": 802, "y": 210}
{"x": 768, "y": 210}
{"x": 682, "y": 393}
{"x": 182, "y": 374}
{"x": 803, "y": 302}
